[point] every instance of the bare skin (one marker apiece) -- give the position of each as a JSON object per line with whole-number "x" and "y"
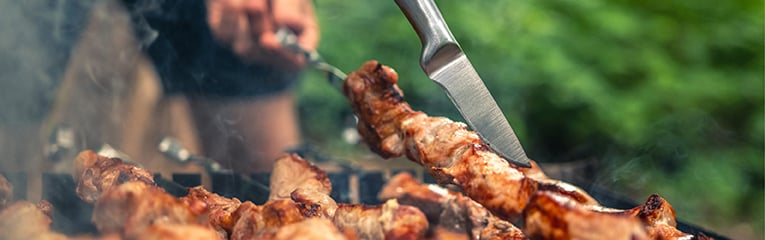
{"x": 248, "y": 28}
{"x": 248, "y": 135}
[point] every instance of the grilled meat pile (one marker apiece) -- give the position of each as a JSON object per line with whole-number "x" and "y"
{"x": 452, "y": 154}
{"x": 23, "y": 219}
{"x": 26, "y": 220}
{"x": 130, "y": 205}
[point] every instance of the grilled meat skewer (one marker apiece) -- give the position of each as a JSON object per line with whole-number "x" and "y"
{"x": 23, "y": 219}
{"x": 128, "y": 203}
{"x": 389, "y": 221}
{"x": 311, "y": 193}
{"x": 449, "y": 210}
{"x": 95, "y": 174}
{"x": 453, "y": 154}
{"x": 26, "y": 220}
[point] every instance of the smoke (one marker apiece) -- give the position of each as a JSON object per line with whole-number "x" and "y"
{"x": 36, "y": 37}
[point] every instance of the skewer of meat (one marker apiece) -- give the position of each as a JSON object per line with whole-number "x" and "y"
{"x": 548, "y": 210}
{"x": 246, "y": 220}
{"x": 309, "y": 229}
{"x": 453, "y": 154}
{"x": 162, "y": 231}
{"x": 219, "y": 210}
{"x": 128, "y": 203}
{"x": 388, "y": 221}
{"x": 449, "y": 210}
{"x": 298, "y": 180}
{"x": 300, "y": 192}
{"x": 291, "y": 175}
{"x": 133, "y": 207}
{"x": 25, "y": 220}
{"x": 95, "y": 174}
{"x": 300, "y": 197}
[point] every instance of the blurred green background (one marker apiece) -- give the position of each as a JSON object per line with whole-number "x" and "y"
{"x": 666, "y": 96}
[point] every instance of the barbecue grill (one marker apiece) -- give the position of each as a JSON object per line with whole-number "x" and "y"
{"x": 72, "y": 216}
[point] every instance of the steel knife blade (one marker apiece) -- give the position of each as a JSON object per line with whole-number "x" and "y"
{"x": 445, "y": 63}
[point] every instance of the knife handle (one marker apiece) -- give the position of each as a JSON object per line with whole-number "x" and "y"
{"x": 438, "y": 44}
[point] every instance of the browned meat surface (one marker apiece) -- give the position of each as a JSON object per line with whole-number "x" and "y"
{"x": 25, "y": 220}
{"x": 131, "y": 208}
{"x": 177, "y": 232}
{"x": 295, "y": 182}
{"x": 291, "y": 172}
{"x": 307, "y": 185}
{"x": 45, "y": 207}
{"x": 314, "y": 204}
{"x": 450, "y": 152}
{"x": 545, "y": 183}
{"x": 551, "y": 215}
{"x": 448, "y": 210}
{"x": 254, "y": 222}
{"x": 659, "y": 217}
{"x": 309, "y": 194}
{"x": 389, "y": 221}
{"x": 129, "y": 204}
{"x": 95, "y": 174}
{"x": 278, "y": 213}
{"x": 441, "y": 233}
{"x": 310, "y": 229}
{"x": 219, "y": 209}
{"x": 6, "y": 192}
{"x": 408, "y": 191}
{"x": 550, "y": 210}
{"x": 249, "y": 221}
{"x": 453, "y": 154}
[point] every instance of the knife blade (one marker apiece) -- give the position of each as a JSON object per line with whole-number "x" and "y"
{"x": 445, "y": 63}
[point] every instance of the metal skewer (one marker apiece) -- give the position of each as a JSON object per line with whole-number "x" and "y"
{"x": 289, "y": 40}
{"x": 173, "y": 149}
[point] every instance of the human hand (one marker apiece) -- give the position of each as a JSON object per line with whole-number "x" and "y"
{"x": 248, "y": 28}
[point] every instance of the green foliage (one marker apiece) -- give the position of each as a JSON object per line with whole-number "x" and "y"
{"x": 668, "y": 94}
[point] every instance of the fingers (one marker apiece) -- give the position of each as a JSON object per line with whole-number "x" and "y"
{"x": 220, "y": 22}
{"x": 243, "y": 43}
{"x": 248, "y": 27}
{"x": 290, "y": 14}
{"x": 259, "y": 15}
{"x": 299, "y": 17}
{"x": 309, "y": 38}
{"x": 229, "y": 22}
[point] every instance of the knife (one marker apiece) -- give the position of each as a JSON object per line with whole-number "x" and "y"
{"x": 444, "y": 62}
